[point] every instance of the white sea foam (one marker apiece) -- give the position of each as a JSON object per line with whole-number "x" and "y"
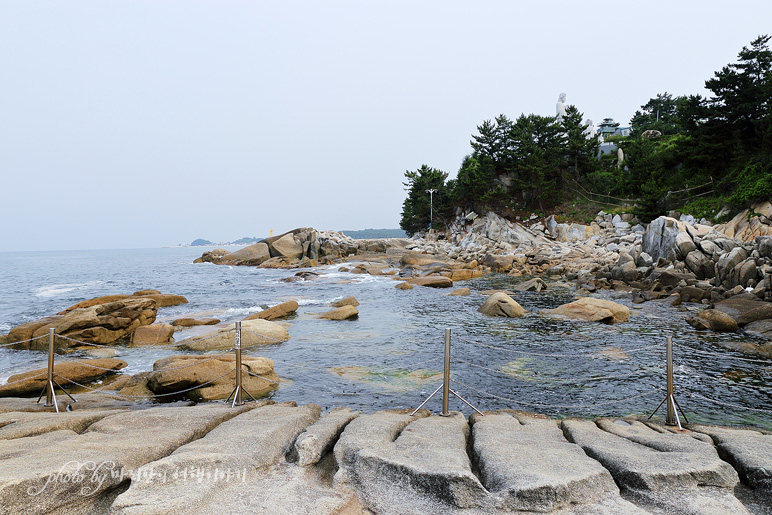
{"x": 52, "y": 290}
{"x": 5, "y": 327}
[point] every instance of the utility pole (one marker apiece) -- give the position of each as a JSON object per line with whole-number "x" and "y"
{"x": 431, "y": 193}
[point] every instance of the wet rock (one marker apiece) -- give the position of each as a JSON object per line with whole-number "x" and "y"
{"x": 745, "y": 308}
{"x": 692, "y": 294}
{"x": 760, "y": 328}
{"x": 404, "y": 286}
{"x": 432, "y": 282}
{"x": 192, "y": 322}
{"x": 712, "y": 320}
{"x": 342, "y": 313}
{"x": 536, "y": 284}
{"x": 592, "y": 310}
{"x": 216, "y": 376}
{"x": 154, "y": 334}
{"x": 501, "y": 305}
{"x": 253, "y": 332}
{"x": 81, "y": 371}
{"x": 275, "y": 312}
{"x": 461, "y": 292}
{"x": 348, "y": 301}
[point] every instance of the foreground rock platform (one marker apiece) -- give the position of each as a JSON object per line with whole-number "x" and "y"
{"x": 283, "y": 458}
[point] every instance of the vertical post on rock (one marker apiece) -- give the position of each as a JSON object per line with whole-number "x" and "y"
{"x": 446, "y": 376}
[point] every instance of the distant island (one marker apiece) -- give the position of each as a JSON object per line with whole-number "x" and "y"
{"x": 364, "y": 234}
{"x": 200, "y": 242}
{"x": 369, "y": 234}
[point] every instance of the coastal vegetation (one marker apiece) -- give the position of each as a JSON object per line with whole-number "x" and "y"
{"x": 707, "y": 156}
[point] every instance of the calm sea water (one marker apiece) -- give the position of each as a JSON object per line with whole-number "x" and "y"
{"x": 391, "y": 355}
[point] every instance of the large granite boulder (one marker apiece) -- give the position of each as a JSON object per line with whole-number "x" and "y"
{"x": 592, "y": 310}
{"x": 713, "y": 320}
{"x": 251, "y": 255}
{"x": 253, "y": 332}
{"x": 286, "y": 246}
{"x": 100, "y": 323}
{"x": 501, "y": 305}
{"x": 745, "y": 308}
{"x": 81, "y": 371}
{"x": 215, "y": 376}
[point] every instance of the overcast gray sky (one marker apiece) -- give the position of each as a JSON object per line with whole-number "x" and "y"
{"x": 148, "y": 123}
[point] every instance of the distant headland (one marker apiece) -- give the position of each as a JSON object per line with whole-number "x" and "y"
{"x": 364, "y": 234}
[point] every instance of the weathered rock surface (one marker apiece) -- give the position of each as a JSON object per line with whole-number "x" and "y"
{"x": 253, "y": 332}
{"x": 81, "y": 371}
{"x": 713, "y": 320}
{"x": 182, "y": 372}
{"x": 279, "y": 311}
{"x": 319, "y": 438}
{"x": 536, "y": 284}
{"x": 192, "y": 322}
{"x": 342, "y": 313}
{"x": 672, "y": 471}
{"x": 348, "y": 301}
{"x": 501, "y": 305}
{"x": 593, "y": 310}
{"x": 215, "y": 459}
{"x": 20, "y": 424}
{"x": 153, "y": 334}
{"x": 461, "y": 292}
{"x": 527, "y": 462}
{"x": 747, "y": 451}
{"x": 31, "y": 475}
{"x": 269, "y": 432}
{"x": 99, "y": 323}
{"x": 432, "y": 282}
{"x": 745, "y": 308}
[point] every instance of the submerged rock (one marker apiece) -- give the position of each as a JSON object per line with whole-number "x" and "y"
{"x": 501, "y": 305}
{"x": 592, "y": 310}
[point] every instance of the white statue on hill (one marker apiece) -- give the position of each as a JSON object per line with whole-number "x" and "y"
{"x": 589, "y": 132}
{"x": 560, "y": 107}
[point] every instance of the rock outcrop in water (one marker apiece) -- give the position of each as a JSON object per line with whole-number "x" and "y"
{"x": 102, "y": 320}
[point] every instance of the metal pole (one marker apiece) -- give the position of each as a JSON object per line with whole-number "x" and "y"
{"x": 50, "y": 385}
{"x": 446, "y": 376}
{"x": 237, "y": 398}
{"x": 431, "y": 193}
{"x": 670, "y": 420}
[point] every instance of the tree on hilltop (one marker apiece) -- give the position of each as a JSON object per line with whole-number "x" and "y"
{"x": 416, "y": 208}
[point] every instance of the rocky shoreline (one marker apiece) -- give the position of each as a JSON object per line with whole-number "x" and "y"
{"x": 390, "y": 462}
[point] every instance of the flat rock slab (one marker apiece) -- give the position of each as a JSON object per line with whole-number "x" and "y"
{"x": 228, "y": 455}
{"x": 749, "y": 452}
{"x": 64, "y": 470}
{"x": 671, "y": 471}
{"x": 531, "y": 466}
{"x": 21, "y": 424}
{"x": 427, "y": 463}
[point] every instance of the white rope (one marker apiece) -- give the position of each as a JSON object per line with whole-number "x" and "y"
{"x": 22, "y": 341}
{"x": 529, "y": 353}
{"x": 262, "y": 336}
{"x": 25, "y": 379}
{"x": 261, "y": 377}
{"x": 728, "y": 404}
{"x": 758, "y": 361}
{"x": 571, "y": 380}
{"x": 535, "y": 405}
{"x": 106, "y": 392}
